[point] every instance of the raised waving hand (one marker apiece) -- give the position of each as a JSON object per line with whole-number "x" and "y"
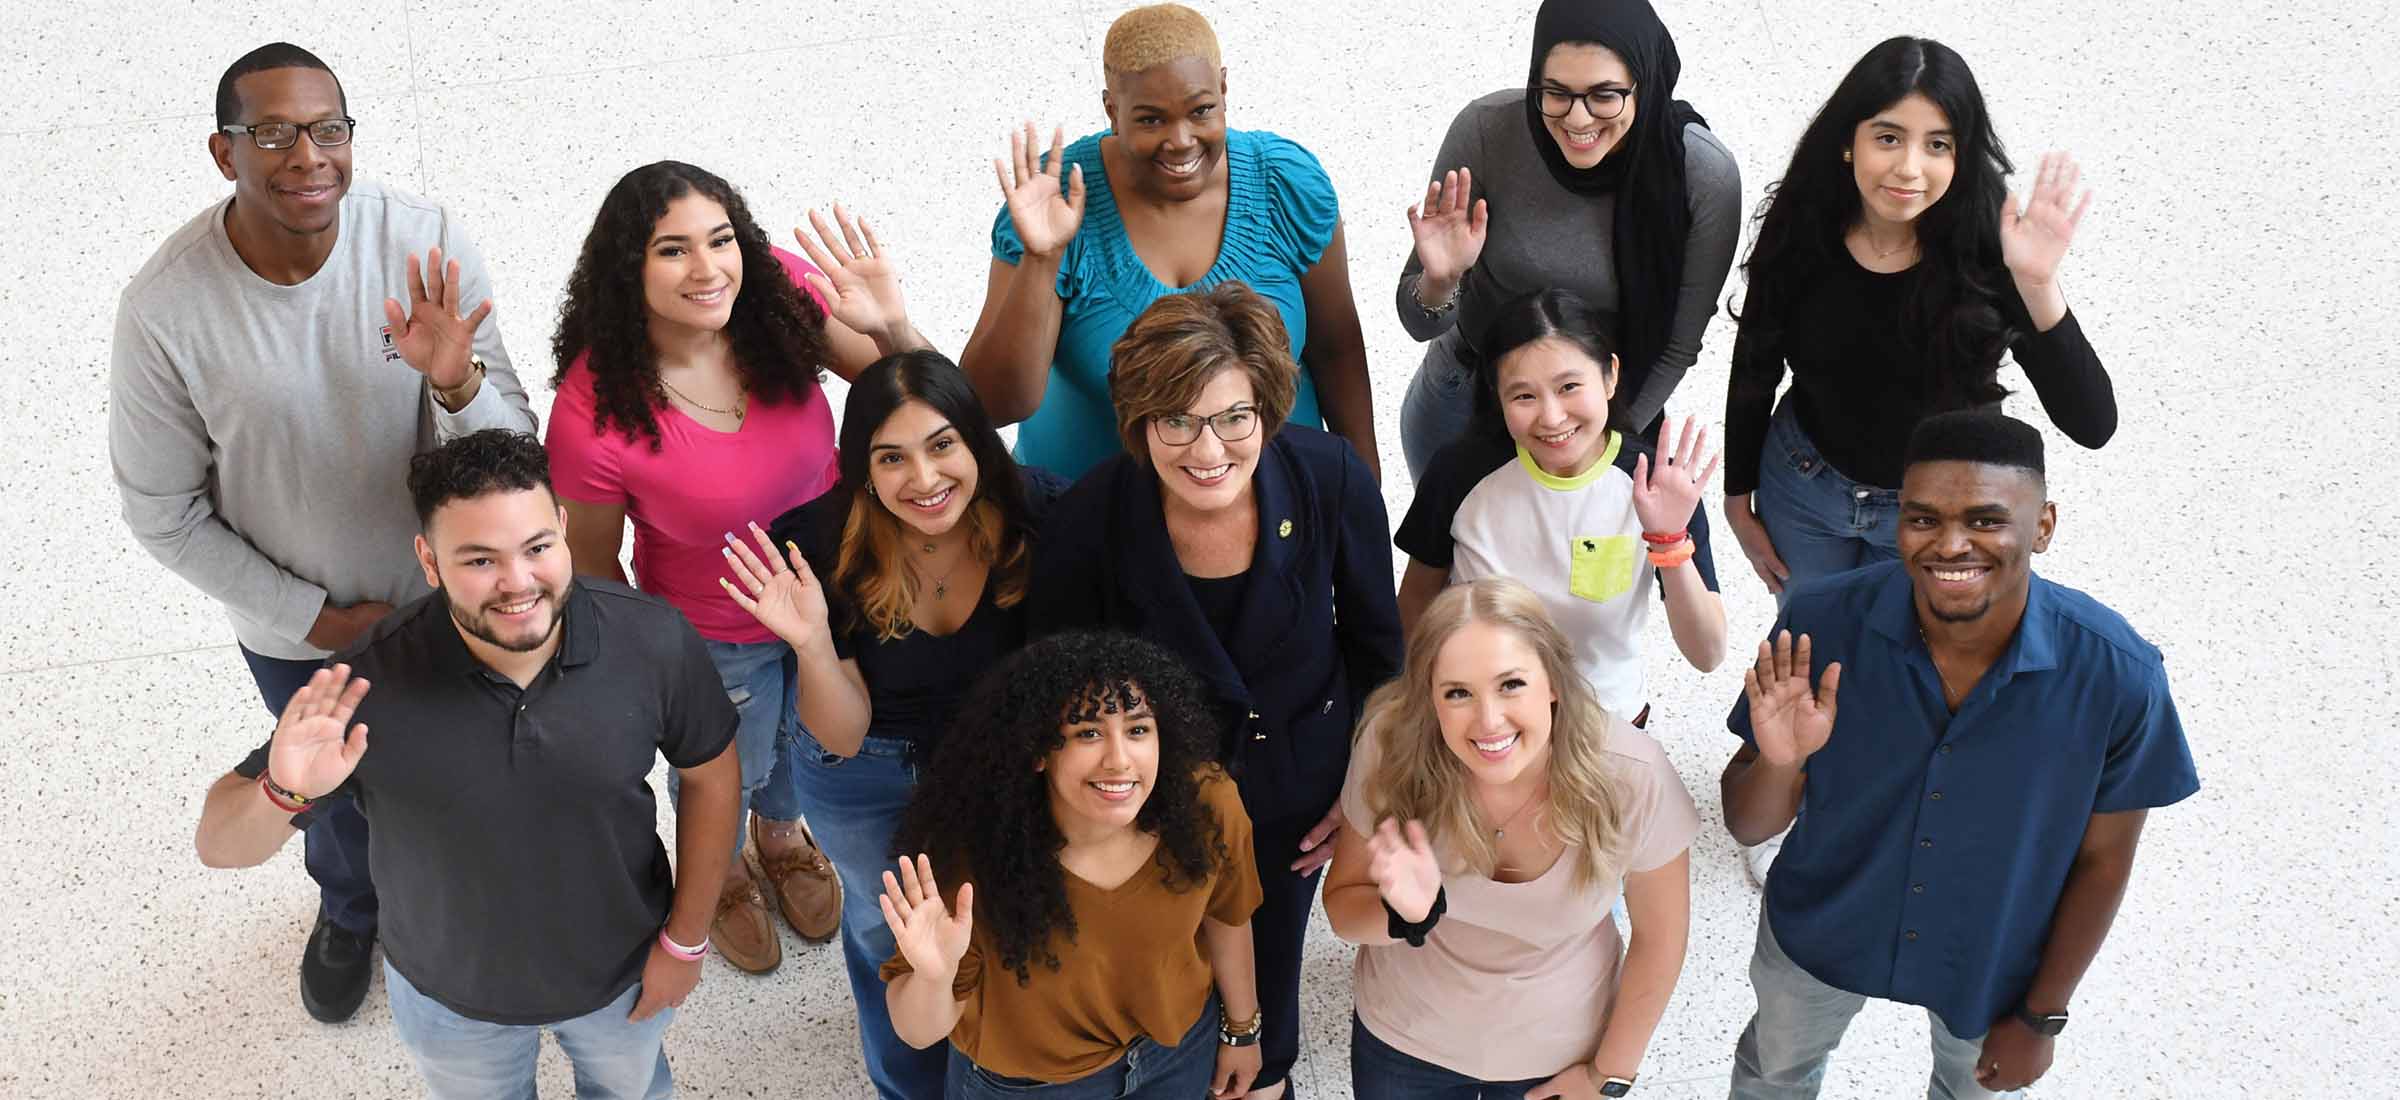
{"x": 1665, "y": 494}
{"x": 315, "y": 747}
{"x": 1449, "y": 232}
{"x": 923, "y": 928}
{"x": 430, "y": 334}
{"x": 1406, "y": 873}
{"x": 2035, "y": 239}
{"x": 1045, "y": 217}
{"x": 785, "y": 599}
{"x": 1789, "y": 720}
{"x": 860, "y": 284}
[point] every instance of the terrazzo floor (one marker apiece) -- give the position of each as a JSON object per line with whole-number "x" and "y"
{"x": 2235, "y": 272}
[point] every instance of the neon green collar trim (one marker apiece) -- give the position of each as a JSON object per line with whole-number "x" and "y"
{"x": 1548, "y": 480}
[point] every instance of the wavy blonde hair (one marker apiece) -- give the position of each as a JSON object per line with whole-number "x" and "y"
{"x": 1416, "y": 777}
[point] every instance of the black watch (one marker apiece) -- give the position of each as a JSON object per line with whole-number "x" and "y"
{"x": 2040, "y": 1023}
{"x": 1616, "y": 1086}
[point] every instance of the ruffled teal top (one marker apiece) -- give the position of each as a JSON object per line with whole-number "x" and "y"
{"x": 1280, "y": 214}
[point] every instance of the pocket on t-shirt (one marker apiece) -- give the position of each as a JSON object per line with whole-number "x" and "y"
{"x": 1600, "y": 567}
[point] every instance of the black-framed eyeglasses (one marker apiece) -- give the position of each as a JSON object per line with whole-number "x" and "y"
{"x": 324, "y": 133}
{"x": 1603, "y": 103}
{"x": 1232, "y": 426}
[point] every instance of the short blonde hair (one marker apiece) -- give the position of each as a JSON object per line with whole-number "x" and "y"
{"x": 1148, "y": 37}
{"x": 1170, "y": 352}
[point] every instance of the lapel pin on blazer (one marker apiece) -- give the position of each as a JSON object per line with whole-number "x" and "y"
{"x": 1284, "y": 531}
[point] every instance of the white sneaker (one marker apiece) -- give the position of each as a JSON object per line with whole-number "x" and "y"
{"x": 1758, "y": 860}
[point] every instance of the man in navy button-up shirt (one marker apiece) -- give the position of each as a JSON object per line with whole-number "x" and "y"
{"x": 1966, "y": 828}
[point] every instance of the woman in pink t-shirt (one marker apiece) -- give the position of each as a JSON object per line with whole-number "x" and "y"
{"x": 1494, "y": 812}
{"x": 688, "y": 402}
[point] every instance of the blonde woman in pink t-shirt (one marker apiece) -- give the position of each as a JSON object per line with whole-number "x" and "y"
{"x": 690, "y": 351}
{"x": 1494, "y": 813}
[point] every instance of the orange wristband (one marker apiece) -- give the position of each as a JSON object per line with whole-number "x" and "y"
{"x": 1679, "y": 554}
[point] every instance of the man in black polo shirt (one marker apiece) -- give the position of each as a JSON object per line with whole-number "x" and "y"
{"x": 516, "y": 712}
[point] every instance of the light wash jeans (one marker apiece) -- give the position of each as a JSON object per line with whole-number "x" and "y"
{"x": 759, "y": 678}
{"x": 463, "y": 1059}
{"x": 858, "y": 800}
{"x": 1782, "y": 1054}
{"x": 1820, "y": 521}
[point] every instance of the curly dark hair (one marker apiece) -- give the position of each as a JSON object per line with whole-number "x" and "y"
{"x": 494, "y": 460}
{"x": 983, "y": 813}
{"x": 777, "y": 329}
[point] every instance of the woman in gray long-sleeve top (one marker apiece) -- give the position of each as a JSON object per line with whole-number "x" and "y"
{"x": 1592, "y": 178}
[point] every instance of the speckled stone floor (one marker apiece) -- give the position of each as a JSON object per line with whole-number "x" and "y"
{"x": 2235, "y": 272}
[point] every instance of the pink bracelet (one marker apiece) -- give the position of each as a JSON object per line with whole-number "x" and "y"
{"x": 687, "y": 954}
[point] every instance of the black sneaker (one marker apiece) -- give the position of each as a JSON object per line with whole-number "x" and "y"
{"x": 334, "y": 971}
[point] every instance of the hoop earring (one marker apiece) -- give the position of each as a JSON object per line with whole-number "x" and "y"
{"x": 1845, "y": 156}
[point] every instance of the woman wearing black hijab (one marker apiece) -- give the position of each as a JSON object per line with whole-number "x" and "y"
{"x": 1592, "y": 178}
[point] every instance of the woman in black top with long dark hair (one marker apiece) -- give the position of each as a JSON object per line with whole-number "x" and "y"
{"x": 1890, "y": 271}
{"x": 895, "y": 589}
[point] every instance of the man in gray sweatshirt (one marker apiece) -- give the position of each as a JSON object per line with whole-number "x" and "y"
{"x": 276, "y": 364}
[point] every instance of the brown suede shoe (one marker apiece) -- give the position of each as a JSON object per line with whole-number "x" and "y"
{"x": 743, "y": 932}
{"x": 803, "y": 884}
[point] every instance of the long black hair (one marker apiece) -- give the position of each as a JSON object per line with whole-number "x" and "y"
{"x": 1542, "y": 315}
{"x": 872, "y": 566}
{"x": 777, "y": 330}
{"x": 1952, "y": 315}
{"x": 983, "y": 813}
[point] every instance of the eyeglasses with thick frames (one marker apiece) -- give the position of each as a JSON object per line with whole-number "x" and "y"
{"x": 1232, "y": 426}
{"x": 324, "y": 133}
{"x": 1603, "y": 103}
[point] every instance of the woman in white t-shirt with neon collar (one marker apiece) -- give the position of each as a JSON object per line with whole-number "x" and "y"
{"x": 1547, "y": 489}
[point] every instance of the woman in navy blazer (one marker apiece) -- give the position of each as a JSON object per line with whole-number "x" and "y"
{"x": 1255, "y": 551}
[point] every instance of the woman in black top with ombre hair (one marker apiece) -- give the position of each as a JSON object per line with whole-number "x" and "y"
{"x": 1891, "y": 270}
{"x": 895, "y": 589}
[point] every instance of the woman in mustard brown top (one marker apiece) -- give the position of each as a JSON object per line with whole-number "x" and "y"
{"x": 1104, "y": 887}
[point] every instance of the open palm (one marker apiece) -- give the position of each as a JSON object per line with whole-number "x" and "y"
{"x": 923, "y": 928}
{"x": 1044, "y": 215}
{"x": 429, "y": 333}
{"x": 779, "y": 590}
{"x": 860, "y": 284}
{"x": 315, "y": 747}
{"x": 1448, "y": 231}
{"x": 2033, "y": 241}
{"x": 1404, "y": 868}
{"x": 1789, "y": 721}
{"x": 1666, "y": 494}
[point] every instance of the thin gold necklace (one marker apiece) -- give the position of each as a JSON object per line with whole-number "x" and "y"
{"x": 941, "y": 584}
{"x": 1500, "y": 832}
{"x": 741, "y": 400}
{"x": 1882, "y": 253}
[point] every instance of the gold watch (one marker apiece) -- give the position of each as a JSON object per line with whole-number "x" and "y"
{"x": 475, "y": 372}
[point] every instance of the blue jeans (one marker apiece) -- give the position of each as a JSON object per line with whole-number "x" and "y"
{"x": 1439, "y": 403}
{"x": 1378, "y": 1071}
{"x": 335, "y": 842}
{"x": 1820, "y": 521}
{"x": 1147, "y": 1071}
{"x": 464, "y": 1059}
{"x": 1782, "y": 1054}
{"x": 758, "y": 677}
{"x": 858, "y": 800}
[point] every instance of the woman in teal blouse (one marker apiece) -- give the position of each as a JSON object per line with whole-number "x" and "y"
{"x": 1167, "y": 200}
